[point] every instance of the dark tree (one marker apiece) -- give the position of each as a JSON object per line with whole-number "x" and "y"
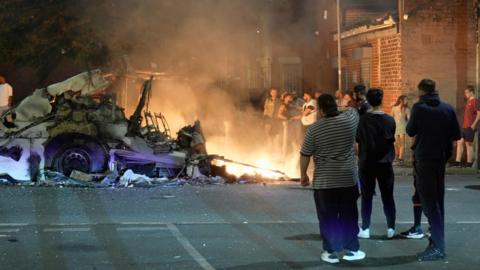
{"x": 39, "y": 33}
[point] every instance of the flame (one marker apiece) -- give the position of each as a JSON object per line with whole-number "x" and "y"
{"x": 262, "y": 168}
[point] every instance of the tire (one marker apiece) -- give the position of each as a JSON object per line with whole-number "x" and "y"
{"x": 79, "y": 152}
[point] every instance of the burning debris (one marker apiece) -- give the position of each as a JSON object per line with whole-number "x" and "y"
{"x": 235, "y": 170}
{"x": 73, "y": 133}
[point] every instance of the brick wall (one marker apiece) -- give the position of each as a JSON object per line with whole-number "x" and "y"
{"x": 438, "y": 42}
{"x": 385, "y": 65}
{"x": 390, "y": 69}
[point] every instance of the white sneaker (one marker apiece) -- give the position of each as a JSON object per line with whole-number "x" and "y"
{"x": 363, "y": 233}
{"x": 390, "y": 233}
{"x": 354, "y": 255}
{"x": 329, "y": 257}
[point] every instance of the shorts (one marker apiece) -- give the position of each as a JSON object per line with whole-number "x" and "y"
{"x": 468, "y": 134}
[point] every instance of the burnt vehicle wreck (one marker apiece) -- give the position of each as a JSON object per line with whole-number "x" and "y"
{"x": 76, "y": 126}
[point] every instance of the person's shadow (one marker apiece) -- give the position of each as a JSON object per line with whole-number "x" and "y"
{"x": 369, "y": 262}
{"x": 305, "y": 237}
{"x": 474, "y": 187}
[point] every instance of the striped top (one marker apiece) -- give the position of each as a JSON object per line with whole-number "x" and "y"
{"x": 331, "y": 142}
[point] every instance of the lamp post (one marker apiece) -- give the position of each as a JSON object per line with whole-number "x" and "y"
{"x": 477, "y": 76}
{"x": 339, "y": 48}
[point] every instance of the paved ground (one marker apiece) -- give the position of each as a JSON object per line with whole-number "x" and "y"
{"x": 211, "y": 227}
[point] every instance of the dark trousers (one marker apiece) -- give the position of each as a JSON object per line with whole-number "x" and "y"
{"x": 338, "y": 217}
{"x": 417, "y": 205}
{"x": 431, "y": 188}
{"x": 369, "y": 175}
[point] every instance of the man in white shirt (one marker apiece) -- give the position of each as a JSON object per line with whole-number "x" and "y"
{"x": 6, "y": 92}
{"x": 309, "y": 111}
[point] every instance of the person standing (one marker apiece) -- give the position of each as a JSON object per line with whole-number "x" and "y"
{"x": 401, "y": 114}
{"x": 290, "y": 116}
{"x": 341, "y": 101}
{"x": 348, "y": 100}
{"x": 331, "y": 141}
{"x": 471, "y": 118}
{"x": 309, "y": 112}
{"x": 270, "y": 110}
{"x": 435, "y": 127}
{"x": 6, "y": 93}
{"x": 375, "y": 138}
{"x": 359, "y": 96}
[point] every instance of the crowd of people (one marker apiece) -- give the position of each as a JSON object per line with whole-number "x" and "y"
{"x": 287, "y": 117}
{"x": 354, "y": 145}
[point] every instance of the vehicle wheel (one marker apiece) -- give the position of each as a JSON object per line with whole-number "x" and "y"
{"x": 79, "y": 152}
{"x": 74, "y": 158}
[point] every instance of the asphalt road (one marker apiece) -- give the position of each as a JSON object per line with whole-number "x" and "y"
{"x": 212, "y": 227}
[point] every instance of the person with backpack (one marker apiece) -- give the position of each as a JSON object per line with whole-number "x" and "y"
{"x": 376, "y": 138}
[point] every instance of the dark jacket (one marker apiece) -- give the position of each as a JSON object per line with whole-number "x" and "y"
{"x": 363, "y": 107}
{"x": 376, "y": 138}
{"x": 434, "y": 124}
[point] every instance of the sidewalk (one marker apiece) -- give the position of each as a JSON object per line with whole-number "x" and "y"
{"x": 407, "y": 170}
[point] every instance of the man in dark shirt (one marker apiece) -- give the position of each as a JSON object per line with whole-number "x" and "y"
{"x": 435, "y": 127}
{"x": 375, "y": 138}
{"x": 361, "y": 102}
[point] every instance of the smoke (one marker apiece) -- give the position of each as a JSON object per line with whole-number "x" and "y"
{"x": 233, "y": 131}
{"x": 210, "y": 47}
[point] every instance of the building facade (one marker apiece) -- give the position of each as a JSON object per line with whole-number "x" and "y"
{"x": 417, "y": 39}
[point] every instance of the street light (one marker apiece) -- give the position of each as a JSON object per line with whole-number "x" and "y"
{"x": 339, "y": 48}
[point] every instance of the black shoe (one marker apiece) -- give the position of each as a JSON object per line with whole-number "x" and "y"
{"x": 456, "y": 164}
{"x": 469, "y": 165}
{"x": 413, "y": 233}
{"x": 431, "y": 254}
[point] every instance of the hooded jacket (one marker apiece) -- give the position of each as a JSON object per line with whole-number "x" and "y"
{"x": 435, "y": 126}
{"x": 376, "y": 138}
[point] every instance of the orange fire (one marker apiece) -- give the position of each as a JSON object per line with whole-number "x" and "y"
{"x": 261, "y": 168}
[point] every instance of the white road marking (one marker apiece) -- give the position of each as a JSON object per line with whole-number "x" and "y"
{"x": 130, "y": 229}
{"x": 9, "y": 230}
{"x": 66, "y": 230}
{"x": 72, "y": 224}
{"x": 189, "y": 248}
{"x": 144, "y": 223}
{"x": 468, "y": 222}
{"x": 409, "y": 222}
{"x": 13, "y": 224}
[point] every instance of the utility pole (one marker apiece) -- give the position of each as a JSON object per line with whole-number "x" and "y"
{"x": 339, "y": 47}
{"x": 477, "y": 75}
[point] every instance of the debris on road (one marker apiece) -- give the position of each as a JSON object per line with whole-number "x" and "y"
{"x": 73, "y": 133}
{"x": 81, "y": 176}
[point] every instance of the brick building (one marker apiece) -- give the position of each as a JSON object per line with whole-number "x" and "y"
{"x": 395, "y": 46}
